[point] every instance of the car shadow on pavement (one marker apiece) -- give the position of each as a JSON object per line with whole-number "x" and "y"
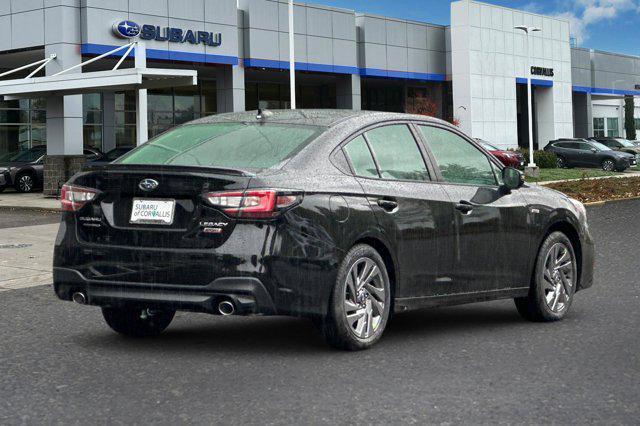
{"x": 297, "y": 335}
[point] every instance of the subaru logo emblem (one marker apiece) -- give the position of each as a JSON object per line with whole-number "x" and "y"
{"x": 126, "y": 29}
{"x": 148, "y": 184}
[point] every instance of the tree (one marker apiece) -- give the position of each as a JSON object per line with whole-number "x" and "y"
{"x": 422, "y": 105}
{"x": 629, "y": 121}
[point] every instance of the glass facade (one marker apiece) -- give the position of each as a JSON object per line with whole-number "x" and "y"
{"x": 125, "y": 118}
{"x": 92, "y": 120}
{"x": 382, "y": 97}
{"x": 22, "y": 124}
{"x": 166, "y": 108}
{"x": 613, "y": 129}
{"x": 266, "y": 95}
{"x": 174, "y": 106}
{"x": 598, "y": 127}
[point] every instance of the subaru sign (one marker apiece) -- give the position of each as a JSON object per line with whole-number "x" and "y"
{"x": 129, "y": 29}
{"x": 126, "y": 29}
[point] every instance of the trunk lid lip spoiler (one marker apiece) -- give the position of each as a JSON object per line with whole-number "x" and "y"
{"x": 161, "y": 168}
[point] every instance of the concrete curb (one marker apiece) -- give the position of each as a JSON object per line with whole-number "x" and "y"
{"x": 623, "y": 176}
{"x": 602, "y": 203}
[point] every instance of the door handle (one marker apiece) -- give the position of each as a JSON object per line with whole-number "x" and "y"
{"x": 464, "y": 207}
{"x": 387, "y": 205}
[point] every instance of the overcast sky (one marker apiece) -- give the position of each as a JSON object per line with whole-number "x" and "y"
{"x": 611, "y": 25}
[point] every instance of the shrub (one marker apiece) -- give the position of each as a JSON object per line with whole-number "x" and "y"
{"x": 543, "y": 159}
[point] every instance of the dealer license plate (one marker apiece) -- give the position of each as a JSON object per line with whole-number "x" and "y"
{"x": 157, "y": 212}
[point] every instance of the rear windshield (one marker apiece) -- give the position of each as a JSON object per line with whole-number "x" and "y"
{"x": 230, "y": 145}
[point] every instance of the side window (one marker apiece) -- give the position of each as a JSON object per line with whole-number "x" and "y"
{"x": 397, "y": 153}
{"x": 458, "y": 159}
{"x": 360, "y": 157}
{"x": 584, "y": 146}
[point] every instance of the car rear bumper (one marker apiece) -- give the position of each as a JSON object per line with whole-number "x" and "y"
{"x": 294, "y": 277}
{"x": 248, "y": 294}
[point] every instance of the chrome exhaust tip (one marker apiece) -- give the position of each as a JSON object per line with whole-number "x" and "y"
{"x": 79, "y": 297}
{"x": 226, "y": 308}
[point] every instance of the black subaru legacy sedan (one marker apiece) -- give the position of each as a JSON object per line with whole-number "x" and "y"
{"x": 344, "y": 217}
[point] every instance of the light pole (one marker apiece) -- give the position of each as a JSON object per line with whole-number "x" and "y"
{"x": 292, "y": 59}
{"x": 531, "y": 169}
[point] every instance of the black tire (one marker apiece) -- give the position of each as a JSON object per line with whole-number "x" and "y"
{"x": 608, "y": 165}
{"x": 25, "y": 182}
{"x": 137, "y": 322}
{"x": 337, "y": 329}
{"x": 561, "y": 163}
{"x": 2, "y": 188}
{"x": 535, "y": 307}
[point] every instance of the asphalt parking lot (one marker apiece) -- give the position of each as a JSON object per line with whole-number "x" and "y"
{"x": 474, "y": 364}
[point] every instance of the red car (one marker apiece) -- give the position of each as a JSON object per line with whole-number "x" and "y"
{"x": 508, "y": 158}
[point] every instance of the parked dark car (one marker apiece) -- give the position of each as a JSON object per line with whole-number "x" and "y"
{"x": 340, "y": 216}
{"x": 112, "y": 155}
{"x": 589, "y": 153}
{"x": 620, "y": 144}
{"x": 508, "y": 158}
{"x": 23, "y": 169}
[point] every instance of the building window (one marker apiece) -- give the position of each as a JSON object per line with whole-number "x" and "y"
{"x": 613, "y": 130}
{"x": 125, "y": 118}
{"x": 637, "y": 121}
{"x": 22, "y": 125}
{"x": 383, "y": 98}
{"x": 92, "y": 120}
{"x": 175, "y": 106}
{"x": 598, "y": 127}
{"x": 278, "y": 96}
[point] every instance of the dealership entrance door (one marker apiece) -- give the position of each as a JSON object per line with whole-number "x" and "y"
{"x": 544, "y": 110}
{"x": 523, "y": 116}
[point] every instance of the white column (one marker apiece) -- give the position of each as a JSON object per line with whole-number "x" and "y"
{"x": 64, "y": 113}
{"x": 142, "y": 131}
{"x": 64, "y": 125}
{"x": 230, "y": 88}
{"x": 292, "y": 58}
{"x": 348, "y": 92}
{"x": 529, "y": 102}
{"x": 108, "y": 121}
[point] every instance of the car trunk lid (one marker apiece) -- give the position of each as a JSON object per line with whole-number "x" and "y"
{"x": 110, "y": 219}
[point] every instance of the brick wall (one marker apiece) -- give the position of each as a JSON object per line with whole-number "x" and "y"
{"x": 58, "y": 169}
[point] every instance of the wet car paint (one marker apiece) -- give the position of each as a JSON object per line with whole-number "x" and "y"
{"x": 435, "y": 255}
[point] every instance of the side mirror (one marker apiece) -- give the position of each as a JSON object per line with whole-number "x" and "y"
{"x": 512, "y": 178}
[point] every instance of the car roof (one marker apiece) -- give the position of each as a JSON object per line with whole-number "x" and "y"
{"x": 315, "y": 117}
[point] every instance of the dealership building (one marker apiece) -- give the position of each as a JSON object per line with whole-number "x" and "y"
{"x": 193, "y": 58}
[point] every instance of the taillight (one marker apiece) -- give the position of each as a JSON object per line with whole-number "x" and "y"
{"x": 255, "y": 204}
{"x": 73, "y": 198}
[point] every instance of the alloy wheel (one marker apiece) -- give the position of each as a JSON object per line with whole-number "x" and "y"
{"x": 560, "y": 162}
{"x": 558, "y": 277}
{"x": 608, "y": 166}
{"x": 25, "y": 183}
{"x": 364, "y": 298}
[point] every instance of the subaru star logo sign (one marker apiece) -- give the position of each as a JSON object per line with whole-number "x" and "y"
{"x": 126, "y": 29}
{"x": 148, "y": 184}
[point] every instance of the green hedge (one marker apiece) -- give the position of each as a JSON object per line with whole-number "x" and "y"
{"x": 543, "y": 159}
